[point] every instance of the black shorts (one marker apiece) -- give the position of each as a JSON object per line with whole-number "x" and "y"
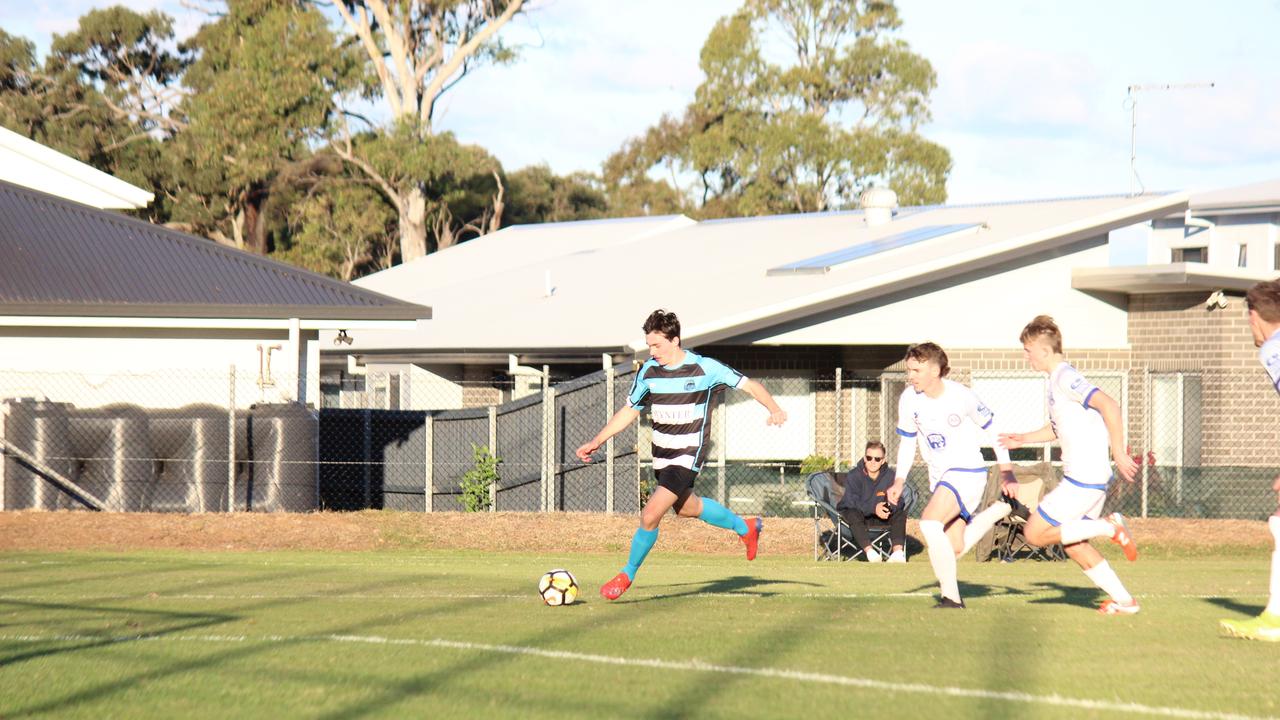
{"x": 678, "y": 480}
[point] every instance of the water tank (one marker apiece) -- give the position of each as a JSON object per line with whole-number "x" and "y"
{"x": 190, "y": 444}
{"x": 117, "y": 463}
{"x": 277, "y": 457}
{"x": 42, "y": 429}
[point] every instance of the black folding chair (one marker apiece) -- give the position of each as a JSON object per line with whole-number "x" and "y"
{"x": 824, "y": 489}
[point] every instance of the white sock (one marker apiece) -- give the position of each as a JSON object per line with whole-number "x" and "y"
{"x": 1273, "y": 606}
{"x": 942, "y": 556}
{"x": 1104, "y": 577}
{"x": 1074, "y": 531}
{"x": 981, "y": 524}
{"x": 873, "y": 555}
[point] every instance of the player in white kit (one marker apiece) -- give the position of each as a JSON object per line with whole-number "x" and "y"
{"x": 950, "y": 425}
{"x": 1086, "y": 422}
{"x": 1263, "y": 301}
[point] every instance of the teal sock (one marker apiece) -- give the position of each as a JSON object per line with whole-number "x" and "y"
{"x": 713, "y": 513}
{"x": 641, "y": 543}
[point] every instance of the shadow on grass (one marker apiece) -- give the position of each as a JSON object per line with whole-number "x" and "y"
{"x": 216, "y": 660}
{"x": 737, "y": 584}
{"x": 970, "y": 590}
{"x": 1248, "y": 609}
{"x": 1085, "y": 597}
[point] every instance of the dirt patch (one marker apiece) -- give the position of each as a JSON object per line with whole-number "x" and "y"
{"x": 528, "y": 532}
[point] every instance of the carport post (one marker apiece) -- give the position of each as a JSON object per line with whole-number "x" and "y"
{"x": 548, "y": 442}
{"x": 608, "y": 446}
{"x": 428, "y": 454}
{"x": 231, "y": 442}
{"x": 493, "y": 450}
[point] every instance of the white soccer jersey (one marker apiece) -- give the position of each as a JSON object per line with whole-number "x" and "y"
{"x": 1269, "y": 354}
{"x": 1080, "y": 429}
{"x": 950, "y": 429}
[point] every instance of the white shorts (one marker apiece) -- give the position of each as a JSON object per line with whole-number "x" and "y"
{"x": 967, "y": 484}
{"x": 1072, "y": 500}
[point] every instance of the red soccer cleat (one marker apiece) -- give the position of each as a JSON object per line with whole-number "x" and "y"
{"x": 752, "y": 538}
{"x": 613, "y": 589}
{"x": 1111, "y": 607}
{"x": 1122, "y": 537}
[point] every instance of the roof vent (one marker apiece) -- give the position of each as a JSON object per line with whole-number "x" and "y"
{"x": 877, "y": 205}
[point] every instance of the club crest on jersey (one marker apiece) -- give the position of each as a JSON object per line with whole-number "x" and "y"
{"x": 936, "y": 441}
{"x": 689, "y": 386}
{"x": 953, "y": 420}
{"x": 1078, "y": 383}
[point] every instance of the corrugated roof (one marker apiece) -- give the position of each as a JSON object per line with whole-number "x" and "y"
{"x": 59, "y": 257}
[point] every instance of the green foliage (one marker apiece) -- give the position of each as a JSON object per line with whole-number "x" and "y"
{"x": 537, "y": 195}
{"x": 815, "y": 463}
{"x": 809, "y": 134}
{"x": 477, "y": 482}
{"x": 262, "y": 86}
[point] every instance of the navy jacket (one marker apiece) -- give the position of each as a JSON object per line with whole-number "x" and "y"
{"x": 861, "y": 493}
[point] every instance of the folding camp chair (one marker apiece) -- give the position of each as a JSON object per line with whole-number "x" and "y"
{"x": 1014, "y": 541}
{"x": 825, "y": 489}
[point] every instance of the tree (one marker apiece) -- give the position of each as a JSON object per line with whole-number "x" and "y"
{"x": 334, "y": 224}
{"x": 763, "y": 136}
{"x": 417, "y": 50}
{"x": 261, "y": 88}
{"x": 537, "y": 195}
{"x": 82, "y": 100}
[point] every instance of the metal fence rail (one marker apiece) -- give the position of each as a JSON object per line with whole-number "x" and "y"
{"x": 221, "y": 442}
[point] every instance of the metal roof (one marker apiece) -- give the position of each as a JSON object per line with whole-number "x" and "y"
{"x": 61, "y": 258}
{"x": 715, "y": 274}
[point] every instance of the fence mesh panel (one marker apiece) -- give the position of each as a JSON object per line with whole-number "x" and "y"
{"x": 216, "y": 442}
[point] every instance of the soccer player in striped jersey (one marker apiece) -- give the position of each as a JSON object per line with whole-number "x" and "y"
{"x": 951, "y": 424}
{"x": 1086, "y": 422}
{"x": 1263, "y": 301}
{"x": 677, "y": 385}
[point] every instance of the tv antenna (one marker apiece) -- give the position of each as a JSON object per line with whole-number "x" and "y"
{"x": 1131, "y": 102}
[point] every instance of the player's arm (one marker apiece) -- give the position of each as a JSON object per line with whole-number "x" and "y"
{"x": 906, "y": 458}
{"x": 1013, "y": 441}
{"x": 777, "y": 415}
{"x": 1109, "y": 409}
{"x": 619, "y": 422}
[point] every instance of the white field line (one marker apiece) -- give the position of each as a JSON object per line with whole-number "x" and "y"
{"x": 693, "y": 665}
{"x": 773, "y": 595}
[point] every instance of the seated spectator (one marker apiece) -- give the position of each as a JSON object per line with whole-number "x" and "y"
{"x": 864, "y": 499}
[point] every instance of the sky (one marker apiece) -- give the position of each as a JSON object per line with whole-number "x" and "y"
{"x": 1031, "y": 96}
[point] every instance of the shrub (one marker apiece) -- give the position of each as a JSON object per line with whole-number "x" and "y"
{"x": 477, "y": 481}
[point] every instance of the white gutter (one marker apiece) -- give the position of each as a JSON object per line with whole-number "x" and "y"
{"x": 204, "y": 323}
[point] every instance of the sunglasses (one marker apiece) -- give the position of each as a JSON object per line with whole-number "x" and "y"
{"x": 873, "y": 458}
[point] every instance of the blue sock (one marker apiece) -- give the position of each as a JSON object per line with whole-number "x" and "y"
{"x": 641, "y": 543}
{"x": 713, "y": 513}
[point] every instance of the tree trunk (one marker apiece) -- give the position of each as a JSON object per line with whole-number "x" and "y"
{"x": 255, "y": 223}
{"x": 413, "y": 225}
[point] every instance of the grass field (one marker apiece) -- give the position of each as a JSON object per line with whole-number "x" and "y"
{"x": 462, "y": 634}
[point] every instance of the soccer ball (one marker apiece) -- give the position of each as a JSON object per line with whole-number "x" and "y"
{"x": 558, "y": 587}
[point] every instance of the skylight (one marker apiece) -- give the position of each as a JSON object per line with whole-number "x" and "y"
{"x": 830, "y": 261}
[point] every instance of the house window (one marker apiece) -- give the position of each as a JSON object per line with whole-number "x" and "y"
{"x": 1192, "y": 254}
{"x": 1242, "y": 257}
{"x": 1276, "y": 259}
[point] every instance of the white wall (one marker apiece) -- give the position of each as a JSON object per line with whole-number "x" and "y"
{"x": 152, "y": 368}
{"x": 985, "y": 313}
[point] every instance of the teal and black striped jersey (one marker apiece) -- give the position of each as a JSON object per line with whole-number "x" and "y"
{"x": 679, "y": 399}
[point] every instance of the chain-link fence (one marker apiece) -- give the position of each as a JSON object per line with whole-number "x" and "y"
{"x": 218, "y": 442}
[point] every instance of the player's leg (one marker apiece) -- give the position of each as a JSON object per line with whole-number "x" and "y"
{"x": 969, "y": 487}
{"x": 1070, "y": 514}
{"x": 1098, "y": 570}
{"x": 898, "y": 536}
{"x": 713, "y": 513}
{"x": 1267, "y": 625}
{"x": 661, "y": 501}
{"x": 942, "y": 509}
{"x": 857, "y": 523}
